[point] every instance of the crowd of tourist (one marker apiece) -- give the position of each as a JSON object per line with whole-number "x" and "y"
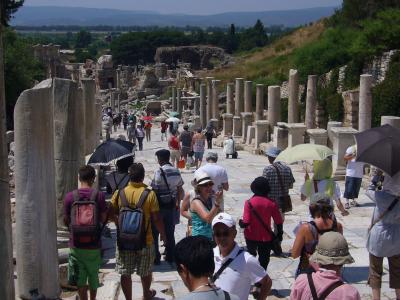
{"x": 210, "y": 262}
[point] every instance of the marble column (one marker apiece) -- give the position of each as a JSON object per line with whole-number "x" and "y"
{"x": 215, "y": 99}
{"x": 259, "y": 102}
{"x": 239, "y": 100}
{"x": 230, "y": 103}
{"x": 89, "y": 91}
{"x": 36, "y": 222}
{"x": 262, "y": 132}
{"x": 209, "y": 98}
{"x": 293, "y": 105}
{"x": 237, "y": 127}
{"x": 318, "y": 136}
{"x": 196, "y": 122}
{"x": 274, "y": 105}
{"x": 343, "y": 137}
{"x": 280, "y": 137}
{"x": 99, "y": 125}
{"x": 173, "y": 102}
{"x": 311, "y": 101}
{"x": 179, "y": 104}
{"x": 246, "y": 121}
{"x": 248, "y": 91}
{"x": 203, "y": 105}
{"x": 332, "y": 124}
{"x": 365, "y": 104}
{"x": 196, "y": 107}
{"x": 296, "y": 133}
{"x": 227, "y": 128}
{"x": 391, "y": 120}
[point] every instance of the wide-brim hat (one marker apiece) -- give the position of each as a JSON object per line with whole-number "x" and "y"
{"x": 332, "y": 249}
{"x": 201, "y": 178}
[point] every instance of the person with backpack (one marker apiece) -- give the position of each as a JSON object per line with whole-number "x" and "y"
{"x": 308, "y": 234}
{"x": 167, "y": 184}
{"x": 332, "y": 252}
{"x": 135, "y": 244}
{"x": 120, "y": 178}
{"x": 85, "y": 211}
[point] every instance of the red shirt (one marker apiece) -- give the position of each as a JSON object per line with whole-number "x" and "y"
{"x": 266, "y": 209}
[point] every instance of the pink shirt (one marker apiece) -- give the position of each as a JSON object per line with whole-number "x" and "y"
{"x": 322, "y": 280}
{"x": 266, "y": 209}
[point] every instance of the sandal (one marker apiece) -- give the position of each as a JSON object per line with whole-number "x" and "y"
{"x": 152, "y": 294}
{"x": 354, "y": 203}
{"x": 347, "y": 206}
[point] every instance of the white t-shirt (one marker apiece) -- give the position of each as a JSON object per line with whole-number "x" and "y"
{"x": 240, "y": 275}
{"x": 321, "y": 189}
{"x": 354, "y": 169}
{"x": 217, "y": 173}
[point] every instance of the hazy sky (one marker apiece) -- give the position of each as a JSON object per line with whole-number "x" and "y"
{"x": 190, "y": 6}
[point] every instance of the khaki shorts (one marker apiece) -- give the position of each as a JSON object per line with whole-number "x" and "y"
{"x": 376, "y": 271}
{"x": 129, "y": 262}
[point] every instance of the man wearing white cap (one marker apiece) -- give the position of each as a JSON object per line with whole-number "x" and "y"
{"x": 236, "y": 270}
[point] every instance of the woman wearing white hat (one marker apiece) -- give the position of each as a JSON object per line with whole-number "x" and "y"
{"x": 202, "y": 208}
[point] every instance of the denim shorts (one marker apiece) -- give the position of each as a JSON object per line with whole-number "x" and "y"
{"x": 198, "y": 155}
{"x": 352, "y": 187}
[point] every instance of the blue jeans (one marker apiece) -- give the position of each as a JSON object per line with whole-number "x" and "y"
{"x": 168, "y": 217}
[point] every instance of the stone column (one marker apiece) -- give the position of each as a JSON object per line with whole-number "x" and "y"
{"x": 280, "y": 137}
{"x": 196, "y": 122}
{"x": 215, "y": 99}
{"x": 227, "y": 124}
{"x": 196, "y": 108}
{"x": 318, "y": 136}
{"x": 332, "y": 124}
{"x": 296, "y": 133}
{"x": 343, "y": 137}
{"x": 246, "y": 121}
{"x": 173, "y": 102}
{"x": 112, "y": 101}
{"x": 293, "y": 105}
{"x": 89, "y": 108}
{"x": 248, "y": 91}
{"x": 391, "y": 120}
{"x": 311, "y": 101}
{"x": 230, "y": 103}
{"x": 365, "y": 104}
{"x": 203, "y": 105}
{"x": 262, "y": 133}
{"x": 179, "y": 104}
{"x": 259, "y": 102}
{"x": 239, "y": 101}
{"x": 209, "y": 98}
{"x": 237, "y": 127}
{"x": 251, "y": 133}
{"x": 36, "y": 240}
{"x": 99, "y": 125}
{"x": 6, "y": 252}
{"x": 274, "y": 105}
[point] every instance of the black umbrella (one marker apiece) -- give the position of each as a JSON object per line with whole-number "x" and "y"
{"x": 380, "y": 147}
{"x": 111, "y": 150}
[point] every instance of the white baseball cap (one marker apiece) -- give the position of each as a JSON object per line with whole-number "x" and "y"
{"x": 225, "y": 219}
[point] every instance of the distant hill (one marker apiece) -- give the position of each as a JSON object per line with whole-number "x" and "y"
{"x": 52, "y": 15}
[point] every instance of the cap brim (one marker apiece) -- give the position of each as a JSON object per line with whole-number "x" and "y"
{"x": 327, "y": 260}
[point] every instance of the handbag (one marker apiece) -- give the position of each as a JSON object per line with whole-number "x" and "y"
{"x": 285, "y": 200}
{"x": 276, "y": 243}
{"x": 181, "y": 163}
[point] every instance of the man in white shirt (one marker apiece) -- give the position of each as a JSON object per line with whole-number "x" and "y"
{"x": 236, "y": 271}
{"x": 217, "y": 173}
{"x": 354, "y": 175}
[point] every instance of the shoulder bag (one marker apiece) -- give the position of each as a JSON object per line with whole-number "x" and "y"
{"x": 285, "y": 199}
{"x": 382, "y": 215}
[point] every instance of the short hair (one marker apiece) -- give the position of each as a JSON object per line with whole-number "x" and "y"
{"x": 196, "y": 254}
{"x": 163, "y": 155}
{"x": 136, "y": 172}
{"x": 86, "y": 173}
{"x": 199, "y": 130}
{"x": 124, "y": 164}
{"x": 321, "y": 209}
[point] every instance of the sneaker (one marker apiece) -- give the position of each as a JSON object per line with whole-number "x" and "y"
{"x": 354, "y": 203}
{"x": 347, "y": 206}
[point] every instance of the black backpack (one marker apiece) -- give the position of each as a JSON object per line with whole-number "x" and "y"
{"x": 132, "y": 224}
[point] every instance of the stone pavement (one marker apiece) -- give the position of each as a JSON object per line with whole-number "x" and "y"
{"x": 241, "y": 172}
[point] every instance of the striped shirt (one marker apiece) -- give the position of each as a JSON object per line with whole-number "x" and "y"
{"x": 173, "y": 177}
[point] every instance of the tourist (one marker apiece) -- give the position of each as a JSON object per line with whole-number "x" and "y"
{"x": 174, "y": 148}
{"x": 230, "y": 147}
{"x": 140, "y": 136}
{"x": 132, "y": 118}
{"x": 147, "y": 128}
{"x": 194, "y": 259}
{"x": 198, "y": 145}
{"x": 354, "y": 175}
{"x": 308, "y": 234}
{"x": 322, "y": 185}
{"x": 125, "y": 120}
{"x": 186, "y": 140}
{"x": 280, "y": 179}
{"x": 203, "y": 207}
{"x": 139, "y": 261}
{"x": 131, "y": 132}
{"x": 116, "y": 122}
{"x": 210, "y": 133}
{"x": 107, "y": 124}
{"x": 85, "y": 257}
{"x": 167, "y": 184}
{"x": 217, "y": 173}
{"x": 236, "y": 271}
{"x": 164, "y": 126}
{"x": 256, "y": 222}
{"x": 384, "y": 236}
{"x": 120, "y": 178}
{"x": 332, "y": 252}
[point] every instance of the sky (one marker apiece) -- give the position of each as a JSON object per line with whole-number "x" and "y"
{"x": 200, "y": 7}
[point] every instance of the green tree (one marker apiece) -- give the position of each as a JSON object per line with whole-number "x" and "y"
{"x": 9, "y": 7}
{"x": 83, "y": 39}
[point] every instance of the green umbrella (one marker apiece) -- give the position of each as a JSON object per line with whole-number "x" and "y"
{"x": 304, "y": 152}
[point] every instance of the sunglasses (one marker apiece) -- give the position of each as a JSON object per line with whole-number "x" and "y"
{"x": 224, "y": 233}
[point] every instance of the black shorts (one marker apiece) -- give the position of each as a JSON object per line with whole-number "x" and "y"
{"x": 352, "y": 187}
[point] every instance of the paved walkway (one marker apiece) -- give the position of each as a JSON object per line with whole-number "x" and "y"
{"x": 241, "y": 172}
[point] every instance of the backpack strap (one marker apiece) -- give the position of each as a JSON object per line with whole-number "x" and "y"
{"x": 224, "y": 266}
{"x": 315, "y": 186}
{"x": 330, "y": 289}
{"x": 312, "y": 287}
{"x": 143, "y": 197}
{"x": 226, "y": 295}
{"x": 165, "y": 178}
{"x": 75, "y": 195}
{"x": 122, "y": 196}
{"x": 93, "y": 195}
